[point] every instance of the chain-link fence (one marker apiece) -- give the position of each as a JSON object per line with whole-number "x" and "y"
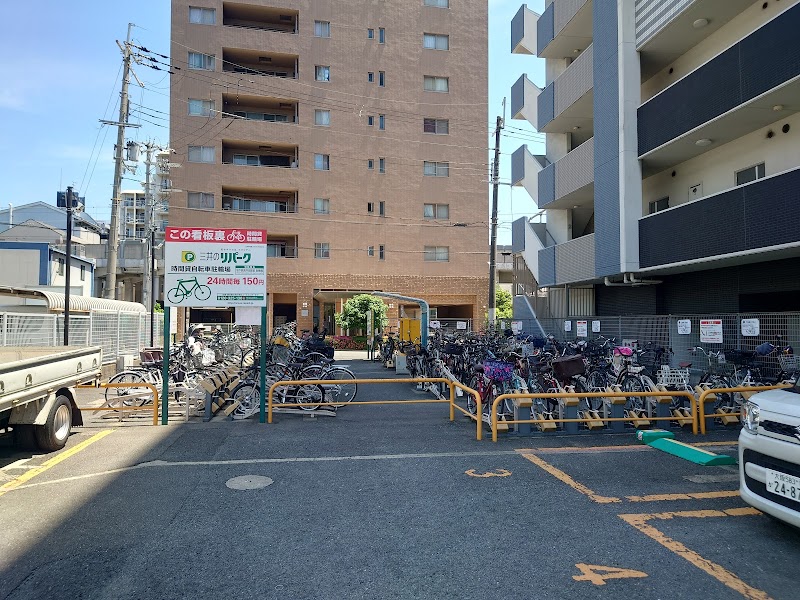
{"x": 737, "y": 331}
{"x": 118, "y": 333}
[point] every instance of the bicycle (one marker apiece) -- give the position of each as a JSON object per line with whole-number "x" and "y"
{"x": 183, "y": 290}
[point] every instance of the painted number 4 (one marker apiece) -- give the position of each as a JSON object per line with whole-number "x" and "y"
{"x": 598, "y": 574}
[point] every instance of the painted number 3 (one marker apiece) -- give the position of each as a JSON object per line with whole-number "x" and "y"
{"x": 598, "y": 574}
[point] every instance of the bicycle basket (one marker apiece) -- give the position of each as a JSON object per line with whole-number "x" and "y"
{"x": 566, "y": 367}
{"x": 455, "y": 349}
{"x": 281, "y": 341}
{"x": 498, "y": 370}
{"x": 790, "y": 364}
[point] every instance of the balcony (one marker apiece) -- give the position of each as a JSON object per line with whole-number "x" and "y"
{"x": 260, "y": 63}
{"x": 259, "y": 201}
{"x": 528, "y": 239}
{"x": 570, "y": 262}
{"x": 733, "y": 94}
{"x": 569, "y": 182}
{"x": 565, "y": 25}
{"x": 566, "y": 105}
{"x": 253, "y": 154}
{"x": 248, "y": 16}
{"x": 281, "y": 246}
{"x": 523, "y": 31}
{"x": 524, "y": 94}
{"x": 259, "y": 108}
{"x": 665, "y": 31}
{"x": 525, "y": 168}
{"x": 749, "y": 223}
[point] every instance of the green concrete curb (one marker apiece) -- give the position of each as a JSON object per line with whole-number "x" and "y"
{"x": 690, "y": 453}
{"x": 647, "y": 436}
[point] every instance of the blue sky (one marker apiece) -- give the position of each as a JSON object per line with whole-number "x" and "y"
{"x": 61, "y": 75}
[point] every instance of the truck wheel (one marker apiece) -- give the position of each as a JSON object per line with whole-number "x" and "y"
{"x": 54, "y": 433}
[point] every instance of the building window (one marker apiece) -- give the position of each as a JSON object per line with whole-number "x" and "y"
{"x": 322, "y": 117}
{"x": 322, "y": 73}
{"x": 370, "y": 77}
{"x": 202, "y": 16}
{"x": 658, "y": 205}
{"x": 435, "y": 41}
{"x": 322, "y": 206}
{"x": 381, "y": 252}
{"x": 276, "y": 249}
{"x": 322, "y": 29}
{"x": 382, "y": 208}
{"x": 371, "y": 251}
{"x": 60, "y": 266}
{"x": 436, "y": 84}
{"x": 437, "y": 126}
{"x": 322, "y": 162}
{"x": 83, "y": 272}
{"x": 436, "y": 211}
{"x": 202, "y": 154}
{"x": 201, "y": 108}
{"x": 750, "y": 174}
{"x": 371, "y": 207}
{"x": 370, "y": 34}
{"x": 382, "y": 78}
{"x": 200, "y": 200}
{"x": 370, "y": 120}
{"x": 382, "y": 122}
{"x": 381, "y": 165}
{"x": 437, "y": 253}
{"x": 370, "y": 164}
{"x": 437, "y": 3}
{"x": 322, "y": 250}
{"x": 381, "y": 35}
{"x": 247, "y": 160}
{"x": 204, "y": 62}
{"x": 436, "y": 169}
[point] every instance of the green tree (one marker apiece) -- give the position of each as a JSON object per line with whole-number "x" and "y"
{"x": 503, "y": 304}
{"x": 354, "y": 312}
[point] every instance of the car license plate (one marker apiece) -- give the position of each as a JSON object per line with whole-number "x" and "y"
{"x": 784, "y": 485}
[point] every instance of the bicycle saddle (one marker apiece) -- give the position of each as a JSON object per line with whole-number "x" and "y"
{"x": 685, "y": 365}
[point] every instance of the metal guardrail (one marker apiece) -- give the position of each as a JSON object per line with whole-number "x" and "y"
{"x": 267, "y": 408}
{"x": 702, "y": 416}
{"x": 122, "y": 408}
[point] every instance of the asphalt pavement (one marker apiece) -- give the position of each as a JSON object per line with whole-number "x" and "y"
{"x": 379, "y": 502}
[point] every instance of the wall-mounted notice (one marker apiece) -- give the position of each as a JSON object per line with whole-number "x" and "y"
{"x": 583, "y": 328}
{"x": 567, "y": 326}
{"x": 461, "y": 324}
{"x": 684, "y": 326}
{"x": 750, "y": 327}
{"x": 595, "y": 326}
{"x": 711, "y": 331}
{"x": 516, "y": 327}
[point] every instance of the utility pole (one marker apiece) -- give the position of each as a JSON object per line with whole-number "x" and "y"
{"x": 493, "y": 245}
{"x": 148, "y": 224}
{"x": 68, "y": 264}
{"x": 110, "y": 290}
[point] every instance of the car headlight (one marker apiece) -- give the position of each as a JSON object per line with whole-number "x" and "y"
{"x": 751, "y": 416}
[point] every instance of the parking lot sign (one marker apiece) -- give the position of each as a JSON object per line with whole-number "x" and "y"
{"x": 207, "y": 266}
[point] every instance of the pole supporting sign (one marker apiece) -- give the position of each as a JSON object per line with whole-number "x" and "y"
{"x": 215, "y": 267}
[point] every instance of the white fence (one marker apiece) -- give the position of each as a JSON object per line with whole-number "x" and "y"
{"x": 118, "y": 333}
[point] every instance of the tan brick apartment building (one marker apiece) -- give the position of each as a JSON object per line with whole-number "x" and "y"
{"x": 354, "y": 131}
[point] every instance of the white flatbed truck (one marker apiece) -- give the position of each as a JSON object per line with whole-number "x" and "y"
{"x": 37, "y": 391}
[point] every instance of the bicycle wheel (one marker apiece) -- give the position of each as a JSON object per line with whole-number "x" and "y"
{"x": 343, "y": 391}
{"x": 476, "y": 383}
{"x": 310, "y": 396}
{"x": 202, "y": 292}
{"x": 631, "y": 383}
{"x": 583, "y": 402}
{"x": 176, "y": 295}
{"x": 248, "y": 394}
{"x": 128, "y": 396}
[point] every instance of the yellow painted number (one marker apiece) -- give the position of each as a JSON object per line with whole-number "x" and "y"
{"x": 598, "y": 574}
{"x": 497, "y": 473}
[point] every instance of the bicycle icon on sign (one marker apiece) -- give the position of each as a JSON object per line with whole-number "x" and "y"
{"x": 186, "y": 288}
{"x": 236, "y": 236}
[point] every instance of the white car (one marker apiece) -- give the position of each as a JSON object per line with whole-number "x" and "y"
{"x": 769, "y": 454}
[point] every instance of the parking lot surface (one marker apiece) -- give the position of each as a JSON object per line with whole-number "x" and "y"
{"x": 379, "y": 502}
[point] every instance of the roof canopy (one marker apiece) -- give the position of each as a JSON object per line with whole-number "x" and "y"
{"x": 55, "y": 301}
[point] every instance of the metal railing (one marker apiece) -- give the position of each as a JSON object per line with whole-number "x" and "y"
{"x": 152, "y": 393}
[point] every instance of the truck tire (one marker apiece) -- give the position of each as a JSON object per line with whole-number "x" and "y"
{"x": 53, "y": 435}
{"x": 24, "y": 437}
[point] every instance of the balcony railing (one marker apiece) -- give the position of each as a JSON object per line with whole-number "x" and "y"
{"x": 567, "y": 182}
{"x": 753, "y": 217}
{"x": 573, "y": 19}
{"x": 566, "y": 104}
{"x": 570, "y": 262}
{"x": 281, "y": 251}
{"x": 260, "y": 205}
{"x": 524, "y": 94}
{"x": 525, "y": 168}
{"x": 523, "y": 31}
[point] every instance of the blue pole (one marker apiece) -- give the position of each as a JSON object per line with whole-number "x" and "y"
{"x": 165, "y": 369}
{"x": 263, "y": 371}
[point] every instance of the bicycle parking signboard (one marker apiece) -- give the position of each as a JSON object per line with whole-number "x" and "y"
{"x": 208, "y": 266}
{"x": 711, "y": 331}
